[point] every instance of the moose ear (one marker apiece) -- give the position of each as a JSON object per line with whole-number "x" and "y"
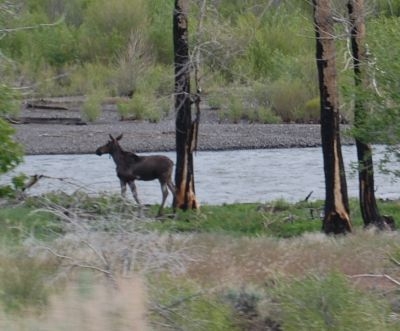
{"x": 119, "y": 137}
{"x": 111, "y": 137}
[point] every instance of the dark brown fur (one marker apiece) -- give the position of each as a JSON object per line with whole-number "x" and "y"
{"x": 131, "y": 167}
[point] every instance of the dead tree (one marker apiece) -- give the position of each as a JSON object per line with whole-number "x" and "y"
{"x": 337, "y": 215}
{"x": 185, "y": 197}
{"x": 369, "y": 208}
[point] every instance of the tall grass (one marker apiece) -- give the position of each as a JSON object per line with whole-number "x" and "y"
{"x": 330, "y": 303}
{"x": 108, "y": 268}
{"x": 92, "y": 107}
{"x": 87, "y": 305}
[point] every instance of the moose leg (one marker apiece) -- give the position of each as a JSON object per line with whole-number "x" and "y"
{"x": 173, "y": 191}
{"x": 136, "y": 197}
{"x": 164, "y": 190}
{"x": 171, "y": 187}
{"x": 134, "y": 192}
{"x": 123, "y": 187}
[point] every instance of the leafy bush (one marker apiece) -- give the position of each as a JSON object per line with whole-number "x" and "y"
{"x": 142, "y": 106}
{"x": 181, "y": 304}
{"x": 108, "y": 26}
{"x": 330, "y": 303}
{"x": 10, "y": 151}
{"x": 24, "y": 281}
{"x": 312, "y": 110}
{"x": 265, "y": 116}
{"x": 288, "y": 99}
{"x": 160, "y": 29}
{"x": 92, "y": 107}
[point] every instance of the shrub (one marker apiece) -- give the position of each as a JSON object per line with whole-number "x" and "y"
{"x": 89, "y": 78}
{"x": 10, "y": 151}
{"x": 131, "y": 65}
{"x": 160, "y": 29}
{"x": 266, "y": 116}
{"x": 234, "y": 109}
{"x": 142, "y": 106}
{"x": 182, "y": 305}
{"x": 92, "y": 107}
{"x": 107, "y": 28}
{"x": 312, "y": 112}
{"x": 24, "y": 281}
{"x": 329, "y": 303}
{"x": 288, "y": 98}
{"x": 248, "y": 103}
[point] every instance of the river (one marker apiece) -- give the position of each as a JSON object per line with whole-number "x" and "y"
{"x": 221, "y": 177}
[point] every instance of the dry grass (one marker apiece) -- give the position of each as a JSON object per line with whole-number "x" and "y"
{"x": 227, "y": 260}
{"x": 92, "y": 307}
{"x": 103, "y": 261}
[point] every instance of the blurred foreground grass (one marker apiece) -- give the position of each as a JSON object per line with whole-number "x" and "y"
{"x": 82, "y": 262}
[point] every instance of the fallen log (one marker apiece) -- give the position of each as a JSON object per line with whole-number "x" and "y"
{"x": 47, "y": 120}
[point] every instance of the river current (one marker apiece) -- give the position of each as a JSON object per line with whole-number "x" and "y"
{"x": 220, "y": 177}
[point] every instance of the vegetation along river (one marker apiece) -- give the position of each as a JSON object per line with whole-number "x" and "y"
{"x": 221, "y": 177}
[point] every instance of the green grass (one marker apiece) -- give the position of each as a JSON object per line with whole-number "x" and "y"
{"x": 22, "y": 221}
{"x": 278, "y": 218}
{"x": 322, "y": 303}
{"x": 236, "y": 269}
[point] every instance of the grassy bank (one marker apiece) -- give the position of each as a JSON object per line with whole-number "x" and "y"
{"x": 92, "y": 263}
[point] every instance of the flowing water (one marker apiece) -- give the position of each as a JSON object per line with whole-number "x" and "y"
{"x": 221, "y": 177}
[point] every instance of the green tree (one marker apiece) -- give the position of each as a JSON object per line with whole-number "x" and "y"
{"x": 381, "y": 125}
{"x": 368, "y": 205}
{"x": 10, "y": 151}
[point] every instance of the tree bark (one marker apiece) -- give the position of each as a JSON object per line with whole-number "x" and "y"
{"x": 369, "y": 208}
{"x": 337, "y": 216}
{"x": 185, "y": 197}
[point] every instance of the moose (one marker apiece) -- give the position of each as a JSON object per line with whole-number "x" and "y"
{"x": 131, "y": 167}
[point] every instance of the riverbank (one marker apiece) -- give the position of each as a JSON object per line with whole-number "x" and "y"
{"x": 141, "y": 136}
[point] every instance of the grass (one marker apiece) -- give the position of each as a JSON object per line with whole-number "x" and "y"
{"x": 21, "y": 221}
{"x": 231, "y": 267}
{"x": 277, "y": 219}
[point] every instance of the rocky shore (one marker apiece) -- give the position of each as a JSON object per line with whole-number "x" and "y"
{"x": 140, "y": 136}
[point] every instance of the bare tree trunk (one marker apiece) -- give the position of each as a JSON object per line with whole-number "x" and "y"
{"x": 369, "y": 208}
{"x": 185, "y": 197}
{"x": 337, "y": 215}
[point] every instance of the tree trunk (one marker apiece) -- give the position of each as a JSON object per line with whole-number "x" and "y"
{"x": 185, "y": 197}
{"x": 337, "y": 215}
{"x": 369, "y": 208}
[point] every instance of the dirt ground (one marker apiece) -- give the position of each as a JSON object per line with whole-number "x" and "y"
{"x": 49, "y": 131}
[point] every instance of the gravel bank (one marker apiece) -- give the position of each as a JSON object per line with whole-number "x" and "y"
{"x": 152, "y": 137}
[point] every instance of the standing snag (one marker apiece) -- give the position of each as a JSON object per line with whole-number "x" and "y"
{"x": 337, "y": 214}
{"x": 131, "y": 167}
{"x": 185, "y": 197}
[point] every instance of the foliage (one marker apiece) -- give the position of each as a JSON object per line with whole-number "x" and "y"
{"x": 23, "y": 281}
{"x": 330, "y": 303}
{"x": 277, "y": 219}
{"x": 201, "y": 281}
{"x": 127, "y": 42}
{"x": 107, "y": 27}
{"x": 91, "y": 108}
{"x": 18, "y": 223}
{"x": 11, "y": 153}
{"x": 16, "y": 187}
{"x": 183, "y": 305}
{"x": 160, "y": 29}
{"x": 142, "y": 106}
{"x": 384, "y": 7}
{"x": 289, "y": 98}
{"x": 380, "y": 98}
